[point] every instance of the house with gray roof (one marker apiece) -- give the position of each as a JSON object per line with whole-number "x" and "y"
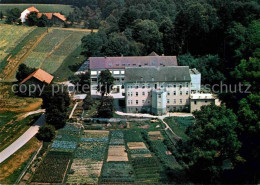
{"x": 117, "y": 66}
{"x": 158, "y": 89}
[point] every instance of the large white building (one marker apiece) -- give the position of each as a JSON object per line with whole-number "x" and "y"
{"x": 27, "y": 12}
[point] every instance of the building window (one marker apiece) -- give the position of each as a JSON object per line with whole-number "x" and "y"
{"x": 174, "y": 101}
{"x": 174, "y": 92}
{"x": 206, "y": 101}
{"x": 143, "y": 93}
{"x": 168, "y": 93}
{"x": 122, "y": 79}
{"x": 131, "y": 94}
{"x": 136, "y": 102}
{"x": 123, "y": 87}
{"x": 148, "y": 101}
{"x": 94, "y": 79}
{"x": 131, "y": 102}
{"x": 187, "y": 92}
{"x": 122, "y": 72}
{"x": 148, "y": 86}
{"x": 195, "y": 102}
{"x": 168, "y": 101}
{"x": 136, "y": 86}
{"x": 128, "y": 93}
{"x": 142, "y": 101}
{"x": 162, "y": 86}
{"x": 187, "y": 84}
{"x": 136, "y": 94}
{"x": 174, "y": 85}
{"x": 143, "y": 86}
{"x": 180, "y": 85}
{"x": 159, "y": 96}
{"x": 180, "y": 100}
{"x": 180, "y": 92}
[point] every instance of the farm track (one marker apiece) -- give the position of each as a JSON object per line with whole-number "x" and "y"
{"x": 55, "y": 49}
{"x": 10, "y": 74}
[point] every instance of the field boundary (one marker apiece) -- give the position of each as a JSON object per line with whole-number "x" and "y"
{"x": 24, "y": 56}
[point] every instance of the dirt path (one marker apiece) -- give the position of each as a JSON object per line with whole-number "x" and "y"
{"x": 78, "y": 29}
{"x": 30, "y": 113}
{"x": 22, "y": 59}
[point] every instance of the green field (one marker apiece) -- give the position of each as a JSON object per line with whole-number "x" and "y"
{"x": 11, "y": 36}
{"x": 53, "y": 49}
{"x": 51, "y": 8}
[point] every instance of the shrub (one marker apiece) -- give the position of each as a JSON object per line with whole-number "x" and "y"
{"x": 46, "y": 133}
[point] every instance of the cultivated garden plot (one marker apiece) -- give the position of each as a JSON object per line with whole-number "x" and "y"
{"x": 88, "y": 157}
{"x": 117, "y": 138}
{"x": 155, "y": 135}
{"x": 117, "y": 173}
{"x": 84, "y": 171}
{"x": 117, "y": 153}
{"x": 67, "y": 138}
{"x": 53, "y": 49}
{"x": 11, "y": 36}
{"x": 53, "y": 168}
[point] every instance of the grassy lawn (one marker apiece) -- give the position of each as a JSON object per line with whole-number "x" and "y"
{"x": 11, "y": 129}
{"x": 179, "y": 125}
{"x": 10, "y": 36}
{"x": 48, "y": 8}
{"x": 11, "y": 168}
{"x": 69, "y": 66}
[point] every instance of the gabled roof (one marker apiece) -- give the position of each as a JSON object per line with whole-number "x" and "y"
{"x": 123, "y": 62}
{"x": 60, "y": 16}
{"x": 33, "y": 9}
{"x": 41, "y": 75}
{"x": 157, "y": 74}
{"x": 153, "y": 54}
{"x": 48, "y": 15}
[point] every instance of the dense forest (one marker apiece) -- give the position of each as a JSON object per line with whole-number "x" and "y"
{"x": 221, "y": 38}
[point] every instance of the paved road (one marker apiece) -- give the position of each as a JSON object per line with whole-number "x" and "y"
{"x": 22, "y": 140}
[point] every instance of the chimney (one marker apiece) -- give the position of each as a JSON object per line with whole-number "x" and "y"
{"x": 162, "y": 54}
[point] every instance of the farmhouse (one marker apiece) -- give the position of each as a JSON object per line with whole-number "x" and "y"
{"x": 39, "y": 76}
{"x": 27, "y": 12}
{"x": 56, "y": 19}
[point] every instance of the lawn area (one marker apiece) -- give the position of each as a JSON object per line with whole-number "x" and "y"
{"x": 10, "y": 37}
{"x": 12, "y": 167}
{"x": 179, "y": 125}
{"x": 69, "y": 66}
{"x": 53, "y": 49}
{"x": 19, "y": 53}
{"x": 11, "y": 129}
{"x": 48, "y": 8}
{"x": 9, "y": 102}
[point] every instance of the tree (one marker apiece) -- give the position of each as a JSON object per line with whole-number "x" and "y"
{"x": 92, "y": 45}
{"x": 43, "y": 21}
{"x": 147, "y": 32}
{"x": 82, "y": 81}
{"x": 88, "y": 102}
{"x": 105, "y": 82}
{"x": 106, "y": 107}
{"x": 46, "y": 133}
{"x": 1, "y": 15}
{"x": 55, "y": 103}
{"x": 12, "y": 15}
{"x": 209, "y": 66}
{"x": 212, "y": 142}
{"x": 32, "y": 19}
{"x": 23, "y": 72}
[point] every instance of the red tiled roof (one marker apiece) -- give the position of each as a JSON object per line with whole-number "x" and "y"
{"x": 48, "y": 15}
{"x": 60, "y": 16}
{"x": 33, "y": 9}
{"x": 41, "y": 75}
{"x": 122, "y": 62}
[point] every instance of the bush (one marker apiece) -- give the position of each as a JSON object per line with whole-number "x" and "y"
{"x": 46, "y": 133}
